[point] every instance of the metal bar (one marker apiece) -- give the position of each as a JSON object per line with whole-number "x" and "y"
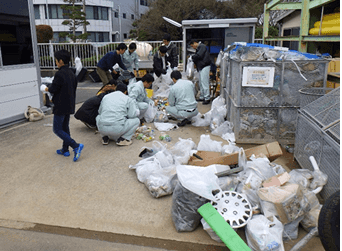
{"x": 318, "y": 3}
{"x": 304, "y": 25}
{"x": 321, "y": 38}
{"x": 294, "y": 38}
{"x": 266, "y": 23}
{"x": 320, "y": 24}
{"x": 287, "y": 6}
{"x": 331, "y": 124}
{"x": 271, "y": 4}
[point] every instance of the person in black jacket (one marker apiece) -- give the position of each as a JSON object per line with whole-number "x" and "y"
{"x": 160, "y": 61}
{"x": 63, "y": 88}
{"x": 202, "y": 61}
{"x": 172, "y": 52}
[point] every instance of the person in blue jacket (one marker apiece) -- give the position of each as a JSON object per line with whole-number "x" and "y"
{"x": 63, "y": 88}
{"x": 182, "y": 101}
{"x": 108, "y": 61}
{"x": 117, "y": 119}
{"x": 202, "y": 61}
{"x": 137, "y": 92}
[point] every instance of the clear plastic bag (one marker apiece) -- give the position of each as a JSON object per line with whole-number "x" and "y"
{"x": 228, "y": 183}
{"x": 219, "y": 58}
{"x": 223, "y": 128}
{"x": 210, "y": 231}
{"x": 251, "y": 195}
{"x": 182, "y": 150}
{"x": 145, "y": 167}
{"x": 291, "y": 229}
{"x": 207, "y": 144}
{"x": 159, "y": 182}
{"x": 230, "y": 148}
{"x": 150, "y": 113}
{"x": 161, "y": 116}
{"x": 261, "y": 166}
{"x": 319, "y": 179}
{"x": 263, "y": 234}
{"x": 184, "y": 209}
{"x": 201, "y": 120}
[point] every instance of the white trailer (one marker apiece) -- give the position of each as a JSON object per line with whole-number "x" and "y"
{"x": 19, "y": 66}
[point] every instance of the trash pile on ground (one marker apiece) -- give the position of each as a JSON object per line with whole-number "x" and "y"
{"x": 244, "y": 186}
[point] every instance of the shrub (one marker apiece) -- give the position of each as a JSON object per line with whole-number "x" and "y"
{"x": 44, "y": 33}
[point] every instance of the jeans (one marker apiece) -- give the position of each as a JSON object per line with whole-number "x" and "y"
{"x": 61, "y": 129}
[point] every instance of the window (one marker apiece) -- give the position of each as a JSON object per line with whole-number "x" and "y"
{"x": 36, "y": 12}
{"x": 143, "y": 2}
{"x": 96, "y": 13}
{"x": 56, "y": 12}
{"x": 16, "y": 41}
{"x": 116, "y": 14}
{"x": 292, "y": 45}
{"x": 89, "y": 12}
{"x": 124, "y": 15}
{"x": 99, "y": 36}
{"x": 104, "y": 13}
{"x": 132, "y": 16}
{"x": 125, "y": 35}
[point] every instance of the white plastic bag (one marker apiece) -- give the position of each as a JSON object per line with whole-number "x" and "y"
{"x": 207, "y": 144}
{"x": 150, "y": 113}
{"x": 163, "y": 127}
{"x": 78, "y": 65}
{"x": 230, "y": 148}
{"x": 199, "y": 180}
{"x": 219, "y": 58}
{"x": 263, "y": 234}
{"x": 182, "y": 150}
{"x": 190, "y": 69}
{"x": 225, "y": 127}
{"x": 145, "y": 167}
{"x": 210, "y": 231}
{"x": 201, "y": 120}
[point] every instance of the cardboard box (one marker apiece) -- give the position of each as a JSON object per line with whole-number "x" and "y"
{"x": 270, "y": 150}
{"x": 334, "y": 65}
{"x": 277, "y": 180}
{"x": 337, "y": 85}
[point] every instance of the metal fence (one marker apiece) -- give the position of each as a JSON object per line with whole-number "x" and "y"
{"x": 91, "y": 53}
{"x": 272, "y": 43}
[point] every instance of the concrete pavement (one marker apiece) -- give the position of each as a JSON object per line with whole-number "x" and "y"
{"x": 97, "y": 197}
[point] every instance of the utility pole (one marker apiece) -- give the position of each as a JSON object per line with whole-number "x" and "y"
{"x": 84, "y": 10}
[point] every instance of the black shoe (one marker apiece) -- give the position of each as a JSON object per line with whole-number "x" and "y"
{"x": 105, "y": 140}
{"x": 200, "y": 99}
{"x": 142, "y": 121}
{"x": 123, "y": 142}
{"x": 184, "y": 122}
{"x": 206, "y": 102}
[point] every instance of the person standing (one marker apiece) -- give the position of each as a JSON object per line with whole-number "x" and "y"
{"x": 182, "y": 101}
{"x": 107, "y": 62}
{"x": 172, "y": 52}
{"x": 202, "y": 61}
{"x": 160, "y": 61}
{"x": 63, "y": 88}
{"x": 117, "y": 119}
{"x": 137, "y": 92}
{"x": 131, "y": 59}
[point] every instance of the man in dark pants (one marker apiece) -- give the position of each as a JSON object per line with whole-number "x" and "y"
{"x": 172, "y": 52}
{"x": 160, "y": 61}
{"x": 108, "y": 61}
{"x": 202, "y": 61}
{"x": 63, "y": 88}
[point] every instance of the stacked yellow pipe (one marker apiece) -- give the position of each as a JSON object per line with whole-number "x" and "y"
{"x": 330, "y": 25}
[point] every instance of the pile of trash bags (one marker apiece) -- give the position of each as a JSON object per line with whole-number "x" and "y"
{"x": 277, "y": 209}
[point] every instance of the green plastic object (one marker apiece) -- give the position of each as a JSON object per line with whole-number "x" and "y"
{"x": 226, "y": 233}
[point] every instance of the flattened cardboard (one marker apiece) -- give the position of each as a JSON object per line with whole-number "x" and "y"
{"x": 270, "y": 150}
{"x": 277, "y": 180}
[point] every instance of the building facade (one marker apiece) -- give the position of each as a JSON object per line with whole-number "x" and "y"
{"x": 110, "y": 21}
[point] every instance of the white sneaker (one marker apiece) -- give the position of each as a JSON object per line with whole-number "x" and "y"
{"x": 124, "y": 142}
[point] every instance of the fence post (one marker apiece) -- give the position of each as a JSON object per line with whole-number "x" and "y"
{"x": 53, "y": 53}
{"x": 97, "y": 54}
